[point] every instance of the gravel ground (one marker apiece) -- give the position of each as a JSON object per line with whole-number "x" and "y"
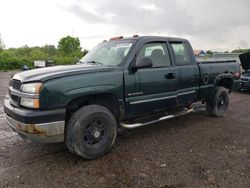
{"x": 190, "y": 151}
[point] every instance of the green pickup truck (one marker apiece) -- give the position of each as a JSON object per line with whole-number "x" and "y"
{"x": 122, "y": 83}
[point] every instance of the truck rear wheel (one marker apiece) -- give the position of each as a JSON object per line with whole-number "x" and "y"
{"x": 91, "y": 131}
{"x": 218, "y": 104}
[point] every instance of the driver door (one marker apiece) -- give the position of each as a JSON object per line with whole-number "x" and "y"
{"x": 151, "y": 89}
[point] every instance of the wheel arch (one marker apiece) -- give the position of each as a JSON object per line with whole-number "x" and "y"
{"x": 225, "y": 81}
{"x": 107, "y": 100}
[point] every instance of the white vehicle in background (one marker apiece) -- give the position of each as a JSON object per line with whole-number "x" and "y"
{"x": 43, "y": 63}
{"x": 39, "y": 63}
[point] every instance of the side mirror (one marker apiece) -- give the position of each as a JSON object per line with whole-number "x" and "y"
{"x": 143, "y": 62}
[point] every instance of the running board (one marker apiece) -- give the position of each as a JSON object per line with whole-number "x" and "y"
{"x": 135, "y": 125}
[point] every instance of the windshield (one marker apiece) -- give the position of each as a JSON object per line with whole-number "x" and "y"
{"x": 108, "y": 53}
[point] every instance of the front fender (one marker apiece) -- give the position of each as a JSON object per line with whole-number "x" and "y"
{"x": 92, "y": 90}
{"x": 59, "y": 99}
{"x": 58, "y": 92}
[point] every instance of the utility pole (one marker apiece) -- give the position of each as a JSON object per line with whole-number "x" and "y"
{"x": 1, "y": 43}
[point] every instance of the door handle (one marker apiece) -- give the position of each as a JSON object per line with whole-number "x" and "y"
{"x": 171, "y": 75}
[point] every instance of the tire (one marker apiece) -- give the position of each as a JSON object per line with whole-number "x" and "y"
{"x": 91, "y": 131}
{"x": 218, "y": 104}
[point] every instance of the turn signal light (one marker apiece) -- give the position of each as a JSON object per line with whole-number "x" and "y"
{"x": 36, "y": 103}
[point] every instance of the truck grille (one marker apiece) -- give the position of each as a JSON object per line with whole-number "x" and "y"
{"x": 14, "y": 99}
{"x": 16, "y": 85}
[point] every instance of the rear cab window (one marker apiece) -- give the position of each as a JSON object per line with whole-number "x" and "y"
{"x": 181, "y": 53}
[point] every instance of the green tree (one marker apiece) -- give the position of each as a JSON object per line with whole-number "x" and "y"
{"x": 84, "y": 52}
{"x": 69, "y": 46}
{"x": 69, "y": 52}
{"x": 209, "y": 52}
{"x": 240, "y": 51}
{"x": 38, "y": 54}
{"x": 23, "y": 51}
{"x": 50, "y": 50}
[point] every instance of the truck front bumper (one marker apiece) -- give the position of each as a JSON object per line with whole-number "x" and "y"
{"x": 37, "y": 126}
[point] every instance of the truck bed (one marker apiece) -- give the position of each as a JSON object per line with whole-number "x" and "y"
{"x": 211, "y": 70}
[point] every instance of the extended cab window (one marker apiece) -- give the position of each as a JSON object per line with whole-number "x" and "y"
{"x": 158, "y": 53}
{"x": 182, "y": 56}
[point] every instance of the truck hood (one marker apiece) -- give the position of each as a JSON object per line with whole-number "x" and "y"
{"x": 44, "y": 74}
{"x": 245, "y": 60}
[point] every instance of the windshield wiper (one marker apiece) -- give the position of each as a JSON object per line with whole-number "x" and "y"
{"x": 94, "y": 62}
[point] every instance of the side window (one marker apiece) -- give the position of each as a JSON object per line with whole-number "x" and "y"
{"x": 182, "y": 56}
{"x": 158, "y": 53}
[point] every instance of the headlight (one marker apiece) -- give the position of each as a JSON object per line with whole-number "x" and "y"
{"x": 31, "y": 101}
{"x": 32, "y": 88}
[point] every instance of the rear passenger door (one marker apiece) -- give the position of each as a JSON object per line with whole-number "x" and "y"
{"x": 187, "y": 85}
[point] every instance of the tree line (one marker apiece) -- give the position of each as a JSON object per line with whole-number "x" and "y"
{"x": 210, "y": 52}
{"x": 68, "y": 51}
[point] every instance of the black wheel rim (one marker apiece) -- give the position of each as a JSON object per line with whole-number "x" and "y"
{"x": 222, "y": 103}
{"x": 95, "y": 133}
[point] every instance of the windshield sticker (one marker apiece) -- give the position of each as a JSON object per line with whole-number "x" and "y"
{"x": 124, "y": 45}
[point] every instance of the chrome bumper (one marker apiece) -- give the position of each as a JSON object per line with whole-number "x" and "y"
{"x": 51, "y": 132}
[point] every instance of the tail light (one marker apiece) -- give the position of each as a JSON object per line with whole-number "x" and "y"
{"x": 237, "y": 74}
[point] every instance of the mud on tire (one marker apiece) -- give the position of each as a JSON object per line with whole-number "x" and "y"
{"x": 218, "y": 104}
{"x": 91, "y": 131}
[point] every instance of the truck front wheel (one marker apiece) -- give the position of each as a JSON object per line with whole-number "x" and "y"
{"x": 91, "y": 131}
{"x": 218, "y": 104}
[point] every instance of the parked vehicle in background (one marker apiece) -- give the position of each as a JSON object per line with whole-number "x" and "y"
{"x": 43, "y": 63}
{"x": 245, "y": 77}
{"x": 123, "y": 82}
{"x": 39, "y": 63}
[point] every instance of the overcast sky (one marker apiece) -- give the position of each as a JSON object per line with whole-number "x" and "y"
{"x": 208, "y": 24}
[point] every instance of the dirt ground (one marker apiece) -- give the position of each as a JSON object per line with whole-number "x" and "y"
{"x": 191, "y": 151}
